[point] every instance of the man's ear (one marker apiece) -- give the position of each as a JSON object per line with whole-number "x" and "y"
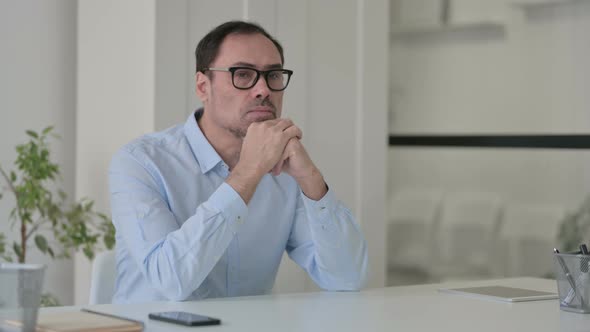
{"x": 202, "y": 87}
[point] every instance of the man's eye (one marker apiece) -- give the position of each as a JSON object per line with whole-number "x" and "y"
{"x": 244, "y": 74}
{"x": 275, "y": 75}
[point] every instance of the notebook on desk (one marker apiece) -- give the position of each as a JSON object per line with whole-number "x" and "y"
{"x": 83, "y": 321}
{"x": 502, "y": 293}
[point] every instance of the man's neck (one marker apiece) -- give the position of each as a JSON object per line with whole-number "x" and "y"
{"x": 225, "y": 143}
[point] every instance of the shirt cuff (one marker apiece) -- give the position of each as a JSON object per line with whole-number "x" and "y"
{"x": 322, "y": 209}
{"x": 231, "y": 205}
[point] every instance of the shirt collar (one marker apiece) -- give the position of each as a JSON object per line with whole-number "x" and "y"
{"x": 206, "y": 156}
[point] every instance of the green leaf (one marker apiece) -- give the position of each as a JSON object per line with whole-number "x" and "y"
{"x": 88, "y": 206}
{"x": 47, "y": 130}
{"x": 49, "y": 300}
{"x": 2, "y": 244}
{"x": 16, "y": 249}
{"x": 50, "y": 252}
{"x": 41, "y": 243}
{"x": 32, "y": 134}
{"x": 109, "y": 238}
{"x": 39, "y": 198}
{"x": 88, "y": 252}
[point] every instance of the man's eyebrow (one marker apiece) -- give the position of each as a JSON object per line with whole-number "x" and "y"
{"x": 247, "y": 64}
{"x": 274, "y": 66}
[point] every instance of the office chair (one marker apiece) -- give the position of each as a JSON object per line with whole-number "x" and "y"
{"x": 412, "y": 216}
{"x": 102, "y": 284}
{"x": 467, "y": 232}
{"x": 528, "y": 234}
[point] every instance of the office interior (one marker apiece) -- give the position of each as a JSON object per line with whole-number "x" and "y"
{"x": 405, "y": 67}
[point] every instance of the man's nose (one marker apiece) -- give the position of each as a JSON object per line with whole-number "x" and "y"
{"x": 260, "y": 89}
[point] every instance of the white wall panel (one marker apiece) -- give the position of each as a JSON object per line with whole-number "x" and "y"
{"x": 37, "y": 89}
{"x": 371, "y": 135}
{"x": 116, "y": 95}
{"x": 172, "y": 60}
{"x": 265, "y": 13}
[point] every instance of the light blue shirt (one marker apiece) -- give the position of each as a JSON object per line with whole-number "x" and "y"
{"x": 183, "y": 233}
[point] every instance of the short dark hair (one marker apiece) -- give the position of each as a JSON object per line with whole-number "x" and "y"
{"x": 208, "y": 47}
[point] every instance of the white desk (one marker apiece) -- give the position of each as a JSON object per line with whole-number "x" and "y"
{"x": 411, "y": 308}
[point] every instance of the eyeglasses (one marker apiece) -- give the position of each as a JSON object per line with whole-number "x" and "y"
{"x": 244, "y": 78}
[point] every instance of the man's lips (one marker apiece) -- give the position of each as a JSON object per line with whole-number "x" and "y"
{"x": 261, "y": 112}
{"x": 261, "y": 109}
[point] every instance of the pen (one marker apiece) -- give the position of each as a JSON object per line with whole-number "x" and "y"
{"x": 584, "y": 260}
{"x": 566, "y": 301}
{"x": 112, "y": 316}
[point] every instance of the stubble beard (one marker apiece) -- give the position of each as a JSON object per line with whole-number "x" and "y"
{"x": 240, "y": 132}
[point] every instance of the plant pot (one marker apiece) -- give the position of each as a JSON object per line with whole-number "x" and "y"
{"x": 20, "y": 295}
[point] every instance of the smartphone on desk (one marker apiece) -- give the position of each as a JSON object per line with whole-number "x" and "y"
{"x": 184, "y": 318}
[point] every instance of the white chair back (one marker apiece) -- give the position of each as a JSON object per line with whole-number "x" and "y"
{"x": 412, "y": 216}
{"x": 102, "y": 284}
{"x": 467, "y": 232}
{"x": 529, "y": 232}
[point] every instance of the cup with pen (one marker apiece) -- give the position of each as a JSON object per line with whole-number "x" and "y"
{"x": 573, "y": 279}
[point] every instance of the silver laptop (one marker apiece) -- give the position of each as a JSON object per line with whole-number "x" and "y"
{"x": 501, "y": 293}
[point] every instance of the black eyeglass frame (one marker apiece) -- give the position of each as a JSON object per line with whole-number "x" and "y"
{"x": 264, "y": 73}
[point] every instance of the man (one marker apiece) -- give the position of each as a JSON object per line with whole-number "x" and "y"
{"x": 206, "y": 209}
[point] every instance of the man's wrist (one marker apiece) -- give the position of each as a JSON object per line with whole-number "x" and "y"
{"x": 313, "y": 185}
{"x": 244, "y": 181}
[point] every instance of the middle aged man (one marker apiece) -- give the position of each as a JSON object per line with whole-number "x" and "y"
{"x": 206, "y": 209}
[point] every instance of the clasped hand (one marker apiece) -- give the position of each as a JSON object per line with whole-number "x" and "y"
{"x": 274, "y": 146}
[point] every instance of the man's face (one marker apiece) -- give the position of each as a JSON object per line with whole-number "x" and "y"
{"x": 233, "y": 109}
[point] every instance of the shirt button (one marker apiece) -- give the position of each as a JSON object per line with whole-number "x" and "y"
{"x": 240, "y": 220}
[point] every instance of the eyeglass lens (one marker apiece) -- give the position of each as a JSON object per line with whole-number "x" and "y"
{"x": 246, "y": 78}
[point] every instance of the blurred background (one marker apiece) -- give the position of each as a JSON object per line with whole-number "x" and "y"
{"x": 378, "y": 85}
{"x": 491, "y": 68}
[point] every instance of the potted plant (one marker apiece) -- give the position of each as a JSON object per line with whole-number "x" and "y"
{"x": 41, "y": 209}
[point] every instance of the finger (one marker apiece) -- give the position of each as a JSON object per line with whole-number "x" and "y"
{"x": 284, "y": 160}
{"x": 264, "y": 124}
{"x": 292, "y": 124}
{"x": 278, "y": 168}
{"x": 299, "y": 134}
{"x": 292, "y": 132}
{"x": 273, "y": 170}
{"x": 294, "y": 144}
{"x": 283, "y": 124}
